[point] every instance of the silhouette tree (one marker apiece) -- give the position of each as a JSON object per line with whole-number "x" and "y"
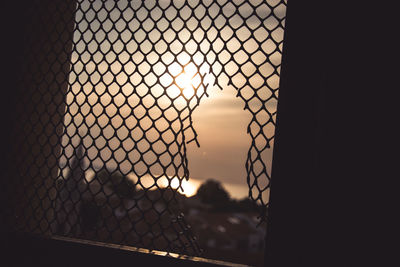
{"x": 246, "y": 205}
{"x": 120, "y": 184}
{"x": 211, "y": 192}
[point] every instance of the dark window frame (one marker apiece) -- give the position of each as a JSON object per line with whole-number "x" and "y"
{"x": 308, "y": 225}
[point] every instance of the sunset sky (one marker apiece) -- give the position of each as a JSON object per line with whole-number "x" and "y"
{"x": 117, "y": 77}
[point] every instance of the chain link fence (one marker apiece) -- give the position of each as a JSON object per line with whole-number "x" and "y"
{"x": 109, "y": 89}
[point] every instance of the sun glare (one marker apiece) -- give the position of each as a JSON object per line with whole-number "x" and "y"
{"x": 189, "y": 187}
{"x": 147, "y": 181}
{"x": 186, "y": 79}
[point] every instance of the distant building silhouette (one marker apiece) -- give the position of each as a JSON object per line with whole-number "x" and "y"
{"x": 69, "y": 196}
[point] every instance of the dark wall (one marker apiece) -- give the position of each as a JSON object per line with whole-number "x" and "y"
{"x": 11, "y": 26}
{"x": 332, "y": 194}
{"x": 33, "y": 34}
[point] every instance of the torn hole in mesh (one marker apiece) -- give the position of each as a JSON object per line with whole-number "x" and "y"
{"x": 124, "y": 87}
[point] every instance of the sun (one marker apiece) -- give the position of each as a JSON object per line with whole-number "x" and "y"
{"x": 182, "y": 83}
{"x": 189, "y": 187}
{"x": 186, "y": 79}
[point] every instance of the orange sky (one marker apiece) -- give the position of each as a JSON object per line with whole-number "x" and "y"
{"x": 220, "y": 120}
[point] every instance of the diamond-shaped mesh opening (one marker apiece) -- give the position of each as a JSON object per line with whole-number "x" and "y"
{"x": 107, "y": 113}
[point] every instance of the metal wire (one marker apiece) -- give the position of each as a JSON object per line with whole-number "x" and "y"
{"x": 112, "y": 169}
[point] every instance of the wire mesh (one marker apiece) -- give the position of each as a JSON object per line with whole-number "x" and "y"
{"x": 111, "y": 87}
